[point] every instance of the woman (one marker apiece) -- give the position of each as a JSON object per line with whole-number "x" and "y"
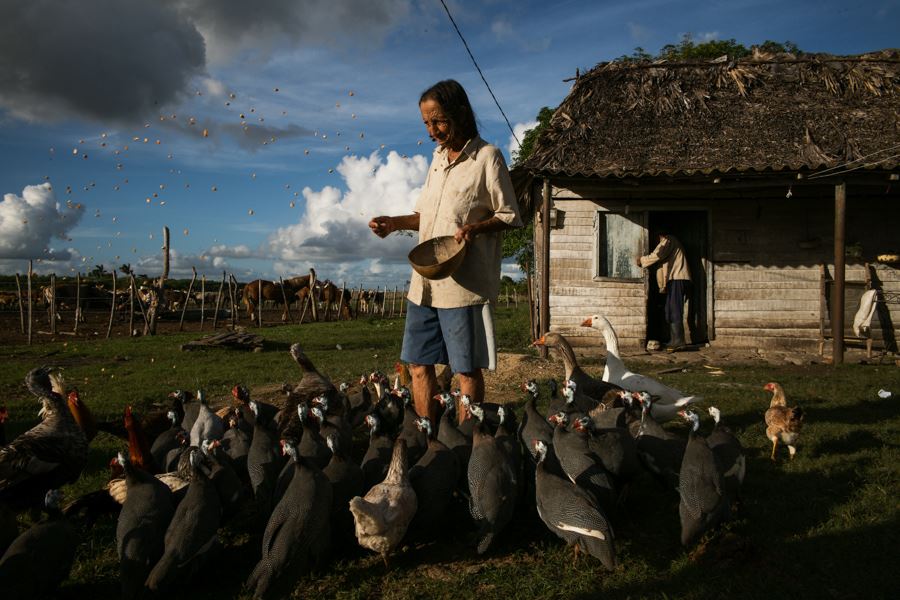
{"x": 468, "y": 194}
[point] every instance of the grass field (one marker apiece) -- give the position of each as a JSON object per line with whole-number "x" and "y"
{"x": 822, "y": 526}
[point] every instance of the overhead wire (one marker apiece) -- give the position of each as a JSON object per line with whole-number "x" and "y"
{"x": 475, "y": 62}
{"x": 828, "y": 172}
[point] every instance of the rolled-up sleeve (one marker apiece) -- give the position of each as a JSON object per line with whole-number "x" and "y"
{"x": 661, "y": 252}
{"x": 500, "y": 187}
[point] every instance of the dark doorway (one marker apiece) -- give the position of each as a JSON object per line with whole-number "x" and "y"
{"x": 691, "y": 229}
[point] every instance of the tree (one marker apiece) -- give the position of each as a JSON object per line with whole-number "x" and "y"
{"x": 98, "y": 271}
{"x": 126, "y": 269}
{"x": 688, "y": 49}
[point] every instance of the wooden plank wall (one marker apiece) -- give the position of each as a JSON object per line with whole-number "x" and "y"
{"x": 766, "y": 257}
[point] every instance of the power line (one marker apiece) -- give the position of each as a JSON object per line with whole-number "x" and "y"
{"x": 827, "y": 172}
{"x": 475, "y": 62}
{"x": 862, "y": 166}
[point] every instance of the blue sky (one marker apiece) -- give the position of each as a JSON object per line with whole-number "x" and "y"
{"x": 309, "y": 112}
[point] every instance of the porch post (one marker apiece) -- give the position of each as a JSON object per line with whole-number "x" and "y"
{"x": 545, "y": 263}
{"x": 837, "y": 290}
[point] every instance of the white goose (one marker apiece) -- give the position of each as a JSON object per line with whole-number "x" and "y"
{"x": 616, "y": 372}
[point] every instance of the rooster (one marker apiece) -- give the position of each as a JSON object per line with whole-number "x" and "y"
{"x": 80, "y": 412}
{"x": 782, "y": 422}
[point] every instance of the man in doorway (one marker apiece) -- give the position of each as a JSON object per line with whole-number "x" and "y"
{"x": 674, "y": 280}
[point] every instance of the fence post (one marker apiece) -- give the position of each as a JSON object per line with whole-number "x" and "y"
{"x": 202, "y": 300}
{"x": 187, "y": 298}
{"x": 358, "y": 300}
{"x": 313, "y": 305}
{"x": 112, "y": 308}
{"x": 259, "y": 303}
{"x": 78, "y": 312}
{"x": 53, "y": 303}
{"x": 232, "y": 293}
{"x": 287, "y": 307}
{"x": 218, "y": 301}
{"x": 141, "y": 306}
{"x": 131, "y": 306}
{"x": 30, "y": 271}
{"x": 21, "y": 306}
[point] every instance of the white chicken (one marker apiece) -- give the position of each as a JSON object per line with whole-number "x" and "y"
{"x": 670, "y": 400}
{"x": 383, "y": 516}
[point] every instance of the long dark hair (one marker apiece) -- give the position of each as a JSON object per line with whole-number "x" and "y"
{"x": 452, "y": 98}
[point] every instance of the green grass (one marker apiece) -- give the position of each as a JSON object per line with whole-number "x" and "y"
{"x": 823, "y": 526}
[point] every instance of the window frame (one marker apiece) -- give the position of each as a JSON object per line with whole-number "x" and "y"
{"x": 598, "y": 259}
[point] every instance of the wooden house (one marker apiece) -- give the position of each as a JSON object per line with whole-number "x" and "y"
{"x": 778, "y": 173}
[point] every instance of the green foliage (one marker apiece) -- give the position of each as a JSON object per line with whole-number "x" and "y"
{"x": 519, "y": 244}
{"x": 688, "y": 49}
{"x": 530, "y": 138}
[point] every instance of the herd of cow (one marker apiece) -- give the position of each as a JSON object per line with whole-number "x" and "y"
{"x": 331, "y": 302}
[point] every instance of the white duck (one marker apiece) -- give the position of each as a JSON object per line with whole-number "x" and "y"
{"x": 616, "y": 372}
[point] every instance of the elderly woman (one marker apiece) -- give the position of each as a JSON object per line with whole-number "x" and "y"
{"x": 467, "y": 194}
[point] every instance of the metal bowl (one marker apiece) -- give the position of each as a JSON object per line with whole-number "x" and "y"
{"x": 437, "y": 258}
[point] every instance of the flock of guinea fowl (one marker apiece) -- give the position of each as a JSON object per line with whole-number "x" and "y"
{"x": 288, "y": 475}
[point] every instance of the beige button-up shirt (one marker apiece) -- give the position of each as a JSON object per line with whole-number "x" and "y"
{"x": 674, "y": 265}
{"x": 473, "y": 188}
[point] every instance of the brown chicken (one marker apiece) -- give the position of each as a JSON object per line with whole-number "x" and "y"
{"x": 783, "y": 422}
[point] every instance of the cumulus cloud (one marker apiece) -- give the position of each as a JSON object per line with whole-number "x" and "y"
{"x": 28, "y": 224}
{"x": 334, "y": 227}
{"x": 519, "y": 129}
{"x": 97, "y": 58}
{"x": 239, "y": 251}
{"x": 180, "y": 265}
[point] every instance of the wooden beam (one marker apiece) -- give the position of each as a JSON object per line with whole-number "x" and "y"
{"x": 545, "y": 263}
{"x": 837, "y": 290}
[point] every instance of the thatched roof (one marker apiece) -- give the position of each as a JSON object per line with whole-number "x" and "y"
{"x": 761, "y": 113}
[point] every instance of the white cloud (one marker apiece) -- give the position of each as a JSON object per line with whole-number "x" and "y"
{"x": 519, "y": 129}
{"x": 180, "y": 265}
{"x": 29, "y": 222}
{"x": 638, "y": 32}
{"x": 239, "y": 251}
{"x": 502, "y": 29}
{"x": 213, "y": 87}
{"x": 708, "y": 36}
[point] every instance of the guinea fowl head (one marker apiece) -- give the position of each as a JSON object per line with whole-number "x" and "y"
{"x": 372, "y": 423}
{"x": 402, "y": 393}
{"x": 569, "y": 391}
{"x": 316, "y": 413}
{"x": 540, "y": 449}
{"x": 343, "y": 387}
{"x": 445, "y": 399}
{"x": 241, "y": 393}
{"x": 559, "y": 418}
{"x": 715, "y": 413}
{"x": 333, "y": 443}
{"x": 172, "y": 416}
{"x": 321, "y": 402}
{"x": 474, "y": 410}
{"x": 691, "y": 417}
{"x": 501, "y": 414}
{"x": 582, "y": 424}
{"x": 180, "y": 395}
{"x": 531, "y": 387}
{"x": 423, "y": 424}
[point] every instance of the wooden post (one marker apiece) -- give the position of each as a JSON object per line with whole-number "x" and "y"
{"x": 78, "y": 312}
{"x": 837, "y": 291}
{"x": 232, "y": 293}
{"x": 306, "y": 302}
{"x": 516, "y": 297}
{"x": 358, "y": 300}
{"x": 30, "y": 301}
{"x": 529, "y": 286}
{"x": 545, "y": 264}
{"x": 141, "y": 306}
{"x": 259, "y": 303}
{"x": 21, "y": 305}
{"x": 507, "y": 296}
{"x": 287, "y": 307}
{"x": 402, "y": 300}
{"x": 53, "y": 304}
{"x": 131, "y": 306}
{"x": 187, "y": 298}
{"x": 218, "y": 301}
{"x": 393, "y": 300}
{"x": 343, "y": 301}
{"x": 112, "y": 308}
{"x": 312, "y": 295}
{"x": 202, "y": 300}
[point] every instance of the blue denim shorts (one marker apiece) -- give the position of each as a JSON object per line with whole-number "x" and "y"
{"x": 460, "y": 337}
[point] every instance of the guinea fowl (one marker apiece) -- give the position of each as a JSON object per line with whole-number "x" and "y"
{"x": 334, "y": 422}
{"x": 434, "y": 478}
{"x": 729, "y": 455}
{"x": 191, "y": 534}
{"x": 141, "y": 528}
{"x": 297, "y": 534}
{"x": 167, "y": 441}
{"x": 616, "y": 450}
{"x": 587, "y": 385}
{"x": 783, "y": 423}
{"x": 231, "y": 488}
{"x": 533, "y": 426}
{"x": 312, "y": 445}
{"x": 347, "y": 481}
{"x": 581, "y": 465}
{"x": 383, "y": 515}
{"x": 359, "y": 402}
{"x": 208, "y": 425}
{"x": 378, "y": 456}
{"x": 263, "y": 462}
{"x": 616, "y": 372}
{"x": 311, "y": 385}
{"x": 489, "y": 410}
{"x": 449, "y": 434}
{"x": 47, "y": 456}
{"x": 704, "y": 503}
{"x": 570, "y": 512}
{"x": 493, "y": 483}
{"x": 40, "y": 558}
{"x": 660, "y": 451}
{"x": 576, "y": 404}
{"x": 190, "y": 407}
{"x": 416, "y": 439}
{"x": 241, "y": 395}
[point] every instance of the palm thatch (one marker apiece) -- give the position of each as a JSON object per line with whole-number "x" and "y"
{"x": 762, "y": 113}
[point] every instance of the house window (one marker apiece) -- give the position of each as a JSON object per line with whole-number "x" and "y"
{"x": 618, "y": 242}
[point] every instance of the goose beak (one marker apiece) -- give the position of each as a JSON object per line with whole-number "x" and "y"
{"x": 589, "y": 322}
{"x": 538, "y": 342}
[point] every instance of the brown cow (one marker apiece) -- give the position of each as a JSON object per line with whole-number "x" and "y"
{"x": 330, "y": 297}
{"x": 272, "y": 291}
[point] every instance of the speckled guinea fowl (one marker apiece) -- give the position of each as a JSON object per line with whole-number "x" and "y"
{"x": 242, "y": 398}
{"x": 493, "y": 483}
{"x": 232, "y": 489}
{"x": 236, "y": 443}
{"x": 191, "y": 534}
{"x": 347, "y": 481}
{"x": 570, "y": 512}
{"x": 334, "y": 422}
{"x": 263, "y": 462}
{"x": 615, "y": 448}
{"x": 141, "y": 527}
{"x": 416, "y": 440}
{"x": 434, "y": 478}
{"x": 39, "y": 559}
{"x": 704, "y": 503}
{"x": 581, "y": 465}
{"x": 312, "y": 445}
{"x": 378, "y": 456}
{"x": 189, "y": 405}
{"x": 298, "y": 532}
{"x": 660, "y": 451}
{"x": 47, "y": 456}
{"x": 167, "y": 441}
{"x": 534, "y": 425}
{"x": 208, "y": 425}
{"x": 359, "y": 401}
{"x": 729, "y": 455}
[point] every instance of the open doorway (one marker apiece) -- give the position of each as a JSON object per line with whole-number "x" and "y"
{"x": 691, "y": 229}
